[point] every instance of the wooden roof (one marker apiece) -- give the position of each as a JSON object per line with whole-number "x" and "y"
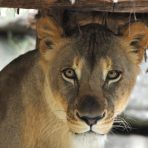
{"x": 120, "y": 6}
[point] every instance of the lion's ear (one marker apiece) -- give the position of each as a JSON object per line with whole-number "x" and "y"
{"x": 49, "y": 33}
{"x": 136, "y": 35}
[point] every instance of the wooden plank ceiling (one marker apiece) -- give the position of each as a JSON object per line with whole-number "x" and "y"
{"x": 128, "y": 6}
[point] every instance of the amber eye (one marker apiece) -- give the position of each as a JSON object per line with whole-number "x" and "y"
{"x": 69, "y": 73}
{"x": 113, "y": 75}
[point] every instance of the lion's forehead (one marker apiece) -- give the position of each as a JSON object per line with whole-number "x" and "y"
{"x": 95, "y": 41}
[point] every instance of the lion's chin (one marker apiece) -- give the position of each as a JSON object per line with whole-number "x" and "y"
{"x": 90, "y": 132}
{"x": 88, "y": 140}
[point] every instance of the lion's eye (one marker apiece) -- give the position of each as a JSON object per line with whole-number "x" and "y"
{"x": 113, "y": 75}
{"x": 69, "y": 73}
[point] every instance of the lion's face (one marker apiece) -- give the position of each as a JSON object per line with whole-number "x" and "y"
{"x": 90, "y": 78}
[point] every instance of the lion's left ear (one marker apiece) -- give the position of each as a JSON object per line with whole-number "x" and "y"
{"x": 49, "y": 33}
{"x": 136, "y": 35}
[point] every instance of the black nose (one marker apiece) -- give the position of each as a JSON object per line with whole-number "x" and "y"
{"x": 90, "y": 120}
{"x": 90, "y": 109}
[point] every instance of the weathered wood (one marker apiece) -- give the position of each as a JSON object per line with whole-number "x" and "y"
{"x": 98, "y": 5}
{"x": 70, "y": 19}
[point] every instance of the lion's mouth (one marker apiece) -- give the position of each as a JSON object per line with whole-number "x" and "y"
{"x": 89, "y": 132}
{"x": 98, "y": 130}
{"x": 80, "y": 128}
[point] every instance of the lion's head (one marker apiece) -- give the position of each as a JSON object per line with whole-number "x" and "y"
{"x": 90, "y": 73}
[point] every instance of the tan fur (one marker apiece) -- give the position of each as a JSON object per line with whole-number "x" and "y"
{"x": 106, "y": 65}
{"x": 78, "y": 65}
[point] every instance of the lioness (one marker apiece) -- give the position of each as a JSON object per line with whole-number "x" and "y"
{"x": 68, "y": 93}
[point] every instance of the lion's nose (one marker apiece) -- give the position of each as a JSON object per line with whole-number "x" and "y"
{"x": 90, "y": 120}
{"x": 90, "y": 109}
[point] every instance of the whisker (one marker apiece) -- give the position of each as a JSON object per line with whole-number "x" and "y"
{"x": 122, "y": 124}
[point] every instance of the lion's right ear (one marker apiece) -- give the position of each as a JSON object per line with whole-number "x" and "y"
{"x": 49, "y": 33}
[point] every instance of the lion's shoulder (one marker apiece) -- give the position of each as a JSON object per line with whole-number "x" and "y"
{"x": 11, "y": 79}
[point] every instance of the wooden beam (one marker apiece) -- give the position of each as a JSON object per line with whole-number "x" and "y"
{"x": 97, "y": 5}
